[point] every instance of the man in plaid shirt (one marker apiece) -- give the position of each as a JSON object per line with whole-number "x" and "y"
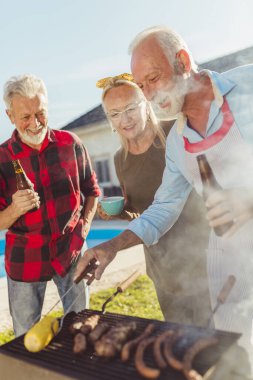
{"x": 43, "y": 243}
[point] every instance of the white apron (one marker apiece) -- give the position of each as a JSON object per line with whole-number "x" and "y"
{"x": 231, "y": 159}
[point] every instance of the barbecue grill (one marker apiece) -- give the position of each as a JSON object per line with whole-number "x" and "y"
{"x": 58, "y": 362}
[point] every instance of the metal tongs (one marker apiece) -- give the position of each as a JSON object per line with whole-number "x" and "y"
{"x": 91, "y": 267}
{"x": 223, "y": 295}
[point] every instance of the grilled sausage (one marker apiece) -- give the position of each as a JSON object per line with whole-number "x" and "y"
{"x": 169, "y": 356}
{"x": 157, "y": 348}
{"x": 126, "y": 350}
{"x": 89, "y": 324}
{"x": 111, "y": 343}
{"x": 84, "y": 325}
{"x": 98, "y": 331}
{"x": 145, "y": 371}
{"x": 192, "y": 352}
{"x": 80, "y": 343}
{"x": 74, "y": 328}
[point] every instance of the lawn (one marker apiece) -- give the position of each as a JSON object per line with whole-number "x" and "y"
{"x": 138, "y": 300}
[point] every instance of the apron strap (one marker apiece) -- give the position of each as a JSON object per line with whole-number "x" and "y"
{"x": 209, "y": 141}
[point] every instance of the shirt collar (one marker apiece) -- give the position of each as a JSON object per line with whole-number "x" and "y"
{"x": 18, "y": 148}
{"x": 221, "y": 86}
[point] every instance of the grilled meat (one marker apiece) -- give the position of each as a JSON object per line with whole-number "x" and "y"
{"x": 142, "y": 368}
{"x": 112, "y": 342}
{"x": 126, "y": 350}
{"x": 80, "y": 343}
{"x": 98, "y": 331}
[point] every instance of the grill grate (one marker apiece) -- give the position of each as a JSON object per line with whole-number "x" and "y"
{"x": 59, "y": 358}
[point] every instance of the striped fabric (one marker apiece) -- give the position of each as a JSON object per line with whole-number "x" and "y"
{"x": 231, "y": 160}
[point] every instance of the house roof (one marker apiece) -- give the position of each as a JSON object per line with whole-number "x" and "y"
{"x": 227, "y": 62}
{"x": 92, "y": 117}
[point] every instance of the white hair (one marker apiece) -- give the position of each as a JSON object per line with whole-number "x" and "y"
{"x": 26, "y": 85}
{"x": 155, "y": 126}
{"x": 169, "y": 40}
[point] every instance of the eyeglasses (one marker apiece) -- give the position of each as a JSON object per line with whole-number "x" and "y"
{"x": 130, "y": 111}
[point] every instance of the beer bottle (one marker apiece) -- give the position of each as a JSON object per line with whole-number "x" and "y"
{"x": 210, "y": 185}
{"x": 23, "y": 182}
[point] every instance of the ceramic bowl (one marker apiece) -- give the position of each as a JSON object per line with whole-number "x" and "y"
{"x": 112, "y": 205}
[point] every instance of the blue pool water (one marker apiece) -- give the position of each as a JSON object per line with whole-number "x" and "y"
{"x": 96, "y": 236}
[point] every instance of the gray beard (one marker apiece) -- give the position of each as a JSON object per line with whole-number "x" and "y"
{"x": 175, "y": 95}
{"x": 34, "y": 140}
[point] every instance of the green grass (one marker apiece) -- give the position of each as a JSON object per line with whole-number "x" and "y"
{"x": 6, "y": 336}
{"x": 138, "y": 300}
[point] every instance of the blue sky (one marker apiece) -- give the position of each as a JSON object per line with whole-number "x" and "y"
{"x": 72, "y": 43}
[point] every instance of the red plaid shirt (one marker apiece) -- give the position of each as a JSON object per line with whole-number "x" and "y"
{"x": 48, "y": 240}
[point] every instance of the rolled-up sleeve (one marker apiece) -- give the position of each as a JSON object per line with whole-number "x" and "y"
{"x": 88, "y": 179}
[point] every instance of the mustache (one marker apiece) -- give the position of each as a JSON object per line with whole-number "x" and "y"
{"x": 40, "y": 126}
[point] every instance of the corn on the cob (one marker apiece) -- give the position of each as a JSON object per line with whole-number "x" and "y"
{"x": 41, "y": 334}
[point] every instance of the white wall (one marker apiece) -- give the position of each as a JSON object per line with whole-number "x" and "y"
{"x": 101, "y": 143}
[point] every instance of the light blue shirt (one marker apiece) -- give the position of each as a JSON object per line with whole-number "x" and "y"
{"x": 237, "y": 86}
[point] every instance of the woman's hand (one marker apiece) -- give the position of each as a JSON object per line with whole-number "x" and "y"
{"x": 103, "y": 215}
{"x": 128, "y": 215}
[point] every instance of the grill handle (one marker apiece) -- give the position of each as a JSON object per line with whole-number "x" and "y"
{"x": 223, "y": 295}
{"x": 226, "y": 289}
{"x": 121, "y": 288}
{"x": 126, "y": 283}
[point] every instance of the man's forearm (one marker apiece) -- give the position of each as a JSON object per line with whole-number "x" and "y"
{"x": 104, "y": 253}
{"x": 7, "y": 218}
{"x": 126, "y": 239}
{"x": 90, "y": 208}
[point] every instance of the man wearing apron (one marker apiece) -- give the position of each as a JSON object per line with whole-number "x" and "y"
{"x": 214, "y": 117}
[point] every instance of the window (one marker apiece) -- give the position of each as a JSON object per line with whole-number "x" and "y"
{"x": 102, "y": 171}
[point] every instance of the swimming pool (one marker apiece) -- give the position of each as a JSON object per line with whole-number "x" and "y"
{"x": 96, "y": 236}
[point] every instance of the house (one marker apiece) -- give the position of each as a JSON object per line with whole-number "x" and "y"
{"x": 101, "y": 142}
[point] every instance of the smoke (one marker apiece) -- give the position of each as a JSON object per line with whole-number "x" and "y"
{"x": 170, "y": 100}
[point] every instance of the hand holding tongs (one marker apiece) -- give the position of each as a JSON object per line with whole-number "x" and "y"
{"x": 91, "y": 267}
{"x": 223, "y": 295}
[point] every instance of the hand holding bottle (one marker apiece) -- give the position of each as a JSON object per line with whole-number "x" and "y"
{"x": 211, "y": 186}
{"x": 233, "y": 206}
{"x": 24, "y": 201}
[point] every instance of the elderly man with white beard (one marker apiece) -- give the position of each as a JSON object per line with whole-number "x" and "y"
{"x": 42, "y": 242}
{"x": 214, "y": 117}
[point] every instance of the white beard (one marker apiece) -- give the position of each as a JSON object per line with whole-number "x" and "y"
{"x": 36, "y": 139}
{"x": 175, "y": 95}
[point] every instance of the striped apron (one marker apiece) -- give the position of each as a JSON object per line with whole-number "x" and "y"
{"x": 231, "y": 159}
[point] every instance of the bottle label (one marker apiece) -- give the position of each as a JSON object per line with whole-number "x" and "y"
{"x": 18, "y": 171}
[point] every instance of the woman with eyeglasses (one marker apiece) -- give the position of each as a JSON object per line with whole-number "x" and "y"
{"x": 177, "y": 263}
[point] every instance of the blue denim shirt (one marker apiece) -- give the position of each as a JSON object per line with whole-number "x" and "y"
{"x": 237, "y": 86}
